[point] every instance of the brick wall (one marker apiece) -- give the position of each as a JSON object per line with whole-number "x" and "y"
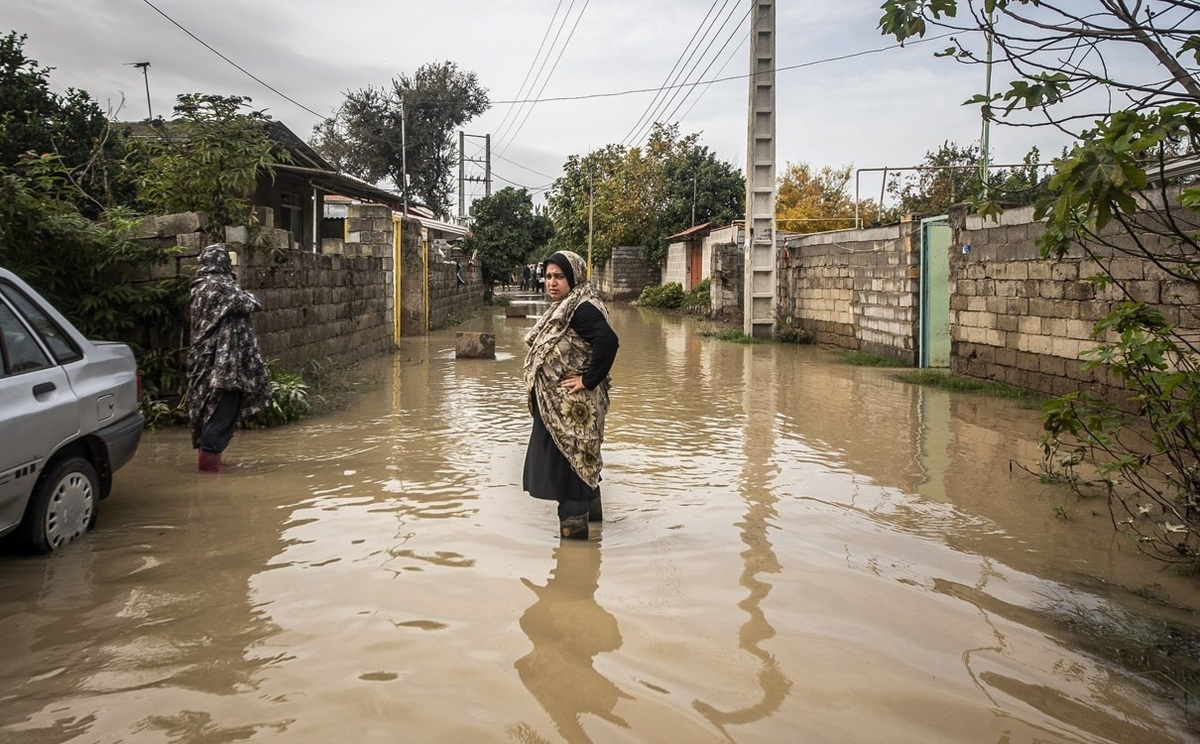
{"x": 626, "y": 274}
{"x": 1021, "y": 319}
{"x": 855, "y": 289}
{"x": 727, "y": 286}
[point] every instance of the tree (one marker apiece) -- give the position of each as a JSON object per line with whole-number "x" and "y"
{"x": 640, "y": 196}
{"x": 809, "y": 202}
{"x": 949, "y": 175}
{"x": 35, "y": 121}
{"x": 1112, "y": 195}
{"x": 410, "y": 128}
{"x": 506, "y": 232}
{"x": 209, "y": 159}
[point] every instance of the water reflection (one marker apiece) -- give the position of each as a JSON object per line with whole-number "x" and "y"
{"x": 568, "y": 628}
{"x": 759, "y": 394}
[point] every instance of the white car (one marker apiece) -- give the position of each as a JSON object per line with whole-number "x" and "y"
{"x": 68, "y": 419}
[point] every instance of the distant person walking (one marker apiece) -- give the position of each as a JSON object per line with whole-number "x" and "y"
{"x": 526, "y": 278}
{"x": 227, "y": 379}
{"x": 571, "y": 350}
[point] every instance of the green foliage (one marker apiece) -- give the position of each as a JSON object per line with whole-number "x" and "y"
{"x": 668, "y": 295}
{"x": 506, "y": 232}
{"x": 951, "y": 175}
{"x": 958, "y": 383}
{"x": 412, "y": 127}
{"x": 640, "y": 196}
{"x": 1146, "y": 457}
{"x": 733, "y": 335}
{"x": 289, "y": 398}
{"x": 36, "y": 123}
{"x": 1112, "y": 196}
{"x": 698, "y": 300}
{"x": 867, "y": 359}
{"x": 788, "y": 334}
{"x": 207, "y": 159}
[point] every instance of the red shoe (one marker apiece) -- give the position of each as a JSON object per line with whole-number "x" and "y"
{"x": 210, "y": 462}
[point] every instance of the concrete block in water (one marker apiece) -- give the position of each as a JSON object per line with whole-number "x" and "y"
{"x": 515, "y": 311}
{"x": 474, "y": 345}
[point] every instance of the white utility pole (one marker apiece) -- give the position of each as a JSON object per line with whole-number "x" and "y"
{"x": 759, "y": 300}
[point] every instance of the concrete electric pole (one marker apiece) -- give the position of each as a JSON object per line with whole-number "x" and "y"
{"x": 759, "y": 296}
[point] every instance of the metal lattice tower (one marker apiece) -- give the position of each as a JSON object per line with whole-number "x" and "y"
{"x": 759, "y": 302}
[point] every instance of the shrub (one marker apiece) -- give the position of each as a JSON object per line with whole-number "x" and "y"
{"x": 289, "y": 398}
{"x": 699, "y": 300}
{"x": 667, "y": 295}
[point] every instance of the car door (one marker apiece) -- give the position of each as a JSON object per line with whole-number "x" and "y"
{"x": 38, "y": 411}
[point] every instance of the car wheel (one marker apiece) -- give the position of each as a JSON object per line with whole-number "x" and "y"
{"x": 62, "y": 506}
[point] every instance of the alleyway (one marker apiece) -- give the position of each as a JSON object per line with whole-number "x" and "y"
{"x": 796, "y": 551}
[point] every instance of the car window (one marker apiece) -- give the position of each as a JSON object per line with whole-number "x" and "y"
{"x": 21, "y": 352}
{"x": 59, "y": 343}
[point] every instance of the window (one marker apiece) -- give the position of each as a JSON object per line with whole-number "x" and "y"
{"x": 21, "y": 352}
{"x": 291, "y": 216}
{"x": 59, "y": 343}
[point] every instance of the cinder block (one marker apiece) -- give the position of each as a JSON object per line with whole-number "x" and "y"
{"x": 516, "y": 311}
{"x": 474, "y": 345}
{"x": 181, "y": 223}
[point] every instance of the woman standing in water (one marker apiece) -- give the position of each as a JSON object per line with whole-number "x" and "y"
{"x": 226, "y": 375}
{"x": 571, "y": 350}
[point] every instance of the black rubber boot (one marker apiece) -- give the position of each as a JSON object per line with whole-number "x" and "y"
{"x": 574, "y": 528}
{"x": 595, "y": 510}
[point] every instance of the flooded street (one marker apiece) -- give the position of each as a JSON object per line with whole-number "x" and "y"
{"x": 795, "y": 550}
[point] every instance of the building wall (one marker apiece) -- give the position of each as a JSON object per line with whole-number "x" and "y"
{"x": 315, "y": 306}
{"x": 626, "y": 274}
{"x": 675, "y": 265}
{"x": 855, "y": 289}
{"x": 1021, "y": 319}
{"x": 336, "y": 306}
{"x": 727, "y": 287}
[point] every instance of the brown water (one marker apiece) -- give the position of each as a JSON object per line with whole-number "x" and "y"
{"x": 796, "y": 550}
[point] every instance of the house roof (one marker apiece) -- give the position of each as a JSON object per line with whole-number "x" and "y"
{"x": 305, "y": 161}
{"x": 695, "y": 231}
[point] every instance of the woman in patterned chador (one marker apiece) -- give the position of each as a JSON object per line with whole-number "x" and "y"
{"x": 571, "y": 350}
{"x": 227, "y": 379}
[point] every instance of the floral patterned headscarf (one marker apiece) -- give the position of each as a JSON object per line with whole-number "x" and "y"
{"x": 575, "y": 420}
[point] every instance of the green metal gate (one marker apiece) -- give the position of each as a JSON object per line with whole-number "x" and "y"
{"x": 935, "y": 292}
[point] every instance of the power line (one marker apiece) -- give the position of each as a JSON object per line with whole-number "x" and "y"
{"x": 669, "y": 79}
{"x": 713, "y": 61}
{"x": 537, "y": 54}
{"x": 642, "y": 131}
{"x": 812, "y": 63}
{"x": 505, "y": 147}
{"x": 248, "y": 74}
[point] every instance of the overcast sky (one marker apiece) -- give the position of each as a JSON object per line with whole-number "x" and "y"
{"x": 609, "y": 58}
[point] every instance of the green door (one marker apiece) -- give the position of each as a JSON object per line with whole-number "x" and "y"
{"x": 935, "y": 292}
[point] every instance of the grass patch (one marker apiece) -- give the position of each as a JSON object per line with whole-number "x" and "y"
{"x": 947, "y": 381}
{"x": 867, "y": 359}
{"x": 734, "y": 335}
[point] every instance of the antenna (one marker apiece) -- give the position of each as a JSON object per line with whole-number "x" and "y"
{"x": 145, "y": 66}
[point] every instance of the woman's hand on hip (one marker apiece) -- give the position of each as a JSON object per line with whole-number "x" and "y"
{"x": 573, "y": 383}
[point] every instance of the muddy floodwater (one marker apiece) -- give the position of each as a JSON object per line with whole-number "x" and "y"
{"x": 796, "y": 550}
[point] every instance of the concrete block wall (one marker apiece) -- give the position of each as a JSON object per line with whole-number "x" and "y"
{"x": 1027, "y": 321}
{"x": 727, "y": 281}
{"x": 675, "y": 266}
{"x": 320, "y": 307}
{"x": 855, "y": 289}
{"x": 448, "y": 299}
{"x": 626, "y": 274}
{"x": 315, "y": 306}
